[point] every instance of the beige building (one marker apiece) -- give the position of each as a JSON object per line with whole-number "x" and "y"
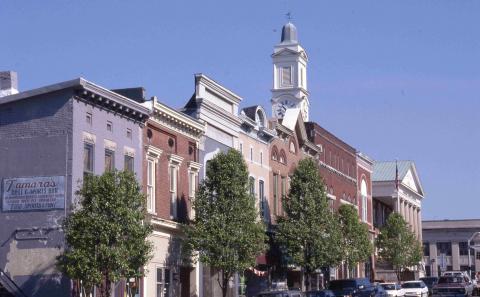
{"x": 253, "y": 142}
{"x": 445, "y": 246}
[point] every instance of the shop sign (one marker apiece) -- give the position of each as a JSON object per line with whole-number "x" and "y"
{"x": 33, "y": 193}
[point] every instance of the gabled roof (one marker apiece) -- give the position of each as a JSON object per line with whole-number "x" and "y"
{"x": 385, "y": 171}
{"x": 293, "y": 121}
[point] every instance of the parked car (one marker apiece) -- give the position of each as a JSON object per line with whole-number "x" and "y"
{"x": 320, "y": 293}
{"x": 430, "y": 281}
{"x": 393, "y": 289}
{"x": 378, "y": 291}
{"x": 453, "y": 286}
{"x": 415, "y": 288}
{"x": 352, "y": 287}
{"x": 282, "y": 293}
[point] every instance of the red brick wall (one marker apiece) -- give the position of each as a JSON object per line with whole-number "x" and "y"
{"x": 340, "y": 156}
{"x": 181, "y": 144}
{"x": 283, "y": 170}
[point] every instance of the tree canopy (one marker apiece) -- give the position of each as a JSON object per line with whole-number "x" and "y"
{"x": 397, "y": 245}
{"x": 226, "y": 233}
{"x": 106, "y": 236}
{"x": 355, "y": 242}
{"x": 309, "y": 232}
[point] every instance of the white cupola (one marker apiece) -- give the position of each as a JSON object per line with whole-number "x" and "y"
{"x": 289, "y": 74}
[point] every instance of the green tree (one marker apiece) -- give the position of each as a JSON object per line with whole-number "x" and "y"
{"x": 355, "y": 242}
{"x": 397, "y": 245}
{"x": 310, "y": 231}
{"x": 106, "y": 236}
{"x": 226, "y": 232}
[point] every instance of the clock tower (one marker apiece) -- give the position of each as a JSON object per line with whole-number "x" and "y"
{"x": 289, "y": 75}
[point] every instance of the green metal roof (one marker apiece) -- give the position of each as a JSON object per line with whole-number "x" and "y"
{"x": 385, "y": 171}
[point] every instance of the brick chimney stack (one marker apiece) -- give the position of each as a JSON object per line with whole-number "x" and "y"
{"x": 8, "y": 83}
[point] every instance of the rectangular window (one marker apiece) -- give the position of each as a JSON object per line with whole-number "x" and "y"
{"x": 129, "y": 133}
{"x": 88, "y": 158}
{"x": 286, "y": 76}
{"x": 275, "y": 193}
{"x": 109, "y": 160}
{"x": 163, "y": 282}
{"x": 261, "y": 158}
{"x": 88, "y": 118}
{"x": 192, "y": 184}
{"x": 240, "y": 148}
{"x": 444, "y": 248}
{"x": 109, "y": 126}
{"x": 301, "y": 78}
{"x": 252, "y": 186}
{"x": 261, "y": 198}
{"x": 426, "y": 249}
{"x": 283, "y": 187}
{"x": 173, "y": 191}
{"x": 463, "y": 248}
{"x": 478, "y": 255}
{"x": 151, "y": 185}
{"x": 129, "y": 163}
{"x": 364, "y": 208}
{"x": 251, "y": 154}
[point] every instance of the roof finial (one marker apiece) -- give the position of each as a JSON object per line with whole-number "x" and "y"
{"x": 289, "y": 16}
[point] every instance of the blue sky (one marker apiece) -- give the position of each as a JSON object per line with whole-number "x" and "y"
{"x": 395, "y": 79}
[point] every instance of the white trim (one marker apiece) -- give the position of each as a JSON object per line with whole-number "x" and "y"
{"x": 88, "y": 137}
{"x": 129, "y": 151}
{"x": 175, "y": 160}
{"x": 194, "y": 166}
{"x": 153, "y": 152}
{"x": 348, "y": 202}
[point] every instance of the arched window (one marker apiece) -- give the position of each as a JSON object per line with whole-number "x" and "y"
{"x": 364, "y": 193}
{"x": 292, "y": 147}
{"x": 274, "y": 154}
{"x": 283, "y": 157}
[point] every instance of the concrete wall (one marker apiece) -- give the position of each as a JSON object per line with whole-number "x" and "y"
{"x": 35, "y": 135}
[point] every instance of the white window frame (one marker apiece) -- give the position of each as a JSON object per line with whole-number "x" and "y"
{"x": 164, "y": 277}
{"x": 193, "y": 170}
{"x": 153, "y": 155}
{"x": 173, "y": 169}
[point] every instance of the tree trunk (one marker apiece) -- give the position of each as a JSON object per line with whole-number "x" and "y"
{"x": 225, "y": 279}
{"x": 108, "y": 285}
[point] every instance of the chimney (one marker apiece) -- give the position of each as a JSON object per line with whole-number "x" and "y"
{"x": 8, "y": 83}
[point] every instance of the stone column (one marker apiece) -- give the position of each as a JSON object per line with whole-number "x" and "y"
{"x": 455, "y": 256}
{"x": 433, "y": 259}
{"x": 414, "y": 224}
{"x": 419, "y": 214}
{"x": 412, "y": 219}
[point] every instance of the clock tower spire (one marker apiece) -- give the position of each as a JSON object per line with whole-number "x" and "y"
{"x": 289, "y": 74}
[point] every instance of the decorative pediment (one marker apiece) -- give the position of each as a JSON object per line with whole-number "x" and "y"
{"x": 411, "y": 180}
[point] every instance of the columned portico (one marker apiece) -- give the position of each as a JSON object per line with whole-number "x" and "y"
{"x": 396, "y": 184}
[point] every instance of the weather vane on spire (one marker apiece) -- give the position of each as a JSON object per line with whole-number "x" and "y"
{"x": 289, "y": 16}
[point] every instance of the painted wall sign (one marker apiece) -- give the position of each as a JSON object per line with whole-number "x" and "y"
{"x": 33, "y": 193}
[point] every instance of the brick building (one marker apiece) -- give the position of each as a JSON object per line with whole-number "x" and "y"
{"x": 54, "y": 135}
{"x": 170, "y": 169}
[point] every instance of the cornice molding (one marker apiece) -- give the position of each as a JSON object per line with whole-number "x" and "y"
{"x": 153, "y": 152}
{"x": 175, "y": 159}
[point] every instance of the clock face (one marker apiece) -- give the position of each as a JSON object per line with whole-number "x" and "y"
{"x": 282, "y": 106}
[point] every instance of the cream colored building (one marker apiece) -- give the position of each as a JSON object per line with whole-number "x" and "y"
{"x": 253, "y": 143}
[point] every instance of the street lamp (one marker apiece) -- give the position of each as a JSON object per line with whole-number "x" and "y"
{"x": 469, "y": 259}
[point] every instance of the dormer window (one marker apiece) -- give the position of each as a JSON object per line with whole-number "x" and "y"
{"x": 260, "y": 118}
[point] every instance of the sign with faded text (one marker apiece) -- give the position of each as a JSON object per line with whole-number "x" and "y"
{"x": 33, "y": 193}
